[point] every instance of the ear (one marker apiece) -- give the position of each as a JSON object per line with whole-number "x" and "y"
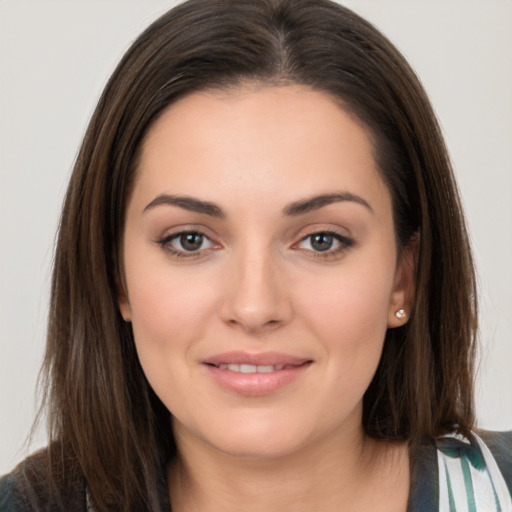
{"x": 122, "y": 300}
{"x": 404, "y": 288}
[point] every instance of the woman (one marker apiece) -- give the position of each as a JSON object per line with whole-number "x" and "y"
{"x": 262, "y": 275}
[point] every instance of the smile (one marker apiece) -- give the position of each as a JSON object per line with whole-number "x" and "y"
{"x": 263, "y": 362}
{"x": 253, "y": 375}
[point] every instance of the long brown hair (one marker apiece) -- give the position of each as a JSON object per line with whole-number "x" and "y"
{"x": 107, "y": 426}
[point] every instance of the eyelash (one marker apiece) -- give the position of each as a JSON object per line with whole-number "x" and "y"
{"x": 165, "y": 243}
{"x": 345, "y": 243}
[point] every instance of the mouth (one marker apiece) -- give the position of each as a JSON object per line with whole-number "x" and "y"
{"x": 255, "y": 374}
{"x": 252, "y": 368}
{"x": 248, "y": 362}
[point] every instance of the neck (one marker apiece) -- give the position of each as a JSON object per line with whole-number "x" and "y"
{"x": 330, "y": 475}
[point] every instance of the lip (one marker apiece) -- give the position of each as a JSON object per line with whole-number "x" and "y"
{"x": 256, "y": 384}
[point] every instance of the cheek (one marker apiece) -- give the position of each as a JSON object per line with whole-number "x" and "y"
{"x": 167, "y": 307}
{"x": 169, "y": 312}
{"x": 355, "y": 303}
{"x": 168, "y": 317}
{"x": 349, "y": 315}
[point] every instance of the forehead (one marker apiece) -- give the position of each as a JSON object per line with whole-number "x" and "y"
{"x": 268, "y": 140}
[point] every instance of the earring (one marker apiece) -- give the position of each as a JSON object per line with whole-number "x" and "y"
{"x": 400, "y": 314}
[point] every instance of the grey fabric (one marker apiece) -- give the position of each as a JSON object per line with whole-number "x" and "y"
{"x": 500, "y": 444}
{"x": 424, "y": 488}
{"x": 11, "y": 499}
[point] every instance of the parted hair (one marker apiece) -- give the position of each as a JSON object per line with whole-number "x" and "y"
{"x": 106, "y": 425}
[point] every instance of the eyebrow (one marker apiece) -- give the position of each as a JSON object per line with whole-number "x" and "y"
{"x": 292, "y": 210}
{"x": 317, "y": 202}
{"x": 187, "y": 203}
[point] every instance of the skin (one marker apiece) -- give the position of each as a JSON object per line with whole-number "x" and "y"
{"x": 257, "y": 283}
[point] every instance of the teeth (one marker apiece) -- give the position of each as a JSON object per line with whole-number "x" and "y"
{"x": 250, "y": 368}
{"x": 265, "y": 369}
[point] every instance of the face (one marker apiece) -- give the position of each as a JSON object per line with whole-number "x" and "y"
{"x": 260, "y": 268}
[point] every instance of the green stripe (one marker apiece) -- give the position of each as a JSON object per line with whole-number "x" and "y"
{"x": 468, "y": 482}
{"x": 450, "y": 491}
{"x": 496, "y": 499}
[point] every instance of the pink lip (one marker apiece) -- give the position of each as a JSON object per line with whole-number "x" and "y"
{"x": 256, "y": 384}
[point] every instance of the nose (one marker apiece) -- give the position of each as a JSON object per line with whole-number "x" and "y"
{"x": 256, "y": 298}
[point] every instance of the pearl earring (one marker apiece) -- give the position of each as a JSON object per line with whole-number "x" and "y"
{"x": 400, "y": 314}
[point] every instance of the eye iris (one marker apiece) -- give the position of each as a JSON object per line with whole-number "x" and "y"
{"x": 322, "y": 242}
{"x": 191, "y": 241}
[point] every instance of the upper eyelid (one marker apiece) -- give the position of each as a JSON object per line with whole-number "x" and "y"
{"x": 188, "y": 228}
{"x": 322, "y": 227}
{"x": 173, "y": 236}
{"x": 334, "y": 233}
{"x": 342, "y": 239}
{"x": 337, "y": 233}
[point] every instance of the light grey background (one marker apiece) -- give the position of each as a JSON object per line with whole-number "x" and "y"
{"x": 55, "y": 57}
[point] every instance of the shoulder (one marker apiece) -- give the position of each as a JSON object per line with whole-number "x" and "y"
{"x": 33, "y": 487}
{"x": 11, "y": 496}
{"x": 500, "y": 445}
{"x": 484, "y": 450}
{"x": 449, "y": 470}
{"x": 475, "y": 469}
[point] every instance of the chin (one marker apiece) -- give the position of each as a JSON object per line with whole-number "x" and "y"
{"x": 271, "y": 439}
{"x": 245, "y": 437}
{"x": 262, "y": 447}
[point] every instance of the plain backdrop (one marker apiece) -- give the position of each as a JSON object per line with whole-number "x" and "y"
{"x": 55, "y": 57}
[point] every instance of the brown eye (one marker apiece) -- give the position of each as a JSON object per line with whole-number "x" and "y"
{"x": 191, "y": 241}
{"x": 186, "y": 243}
{"x": 325, "y": 243}
{"x": 322, "y": 242}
